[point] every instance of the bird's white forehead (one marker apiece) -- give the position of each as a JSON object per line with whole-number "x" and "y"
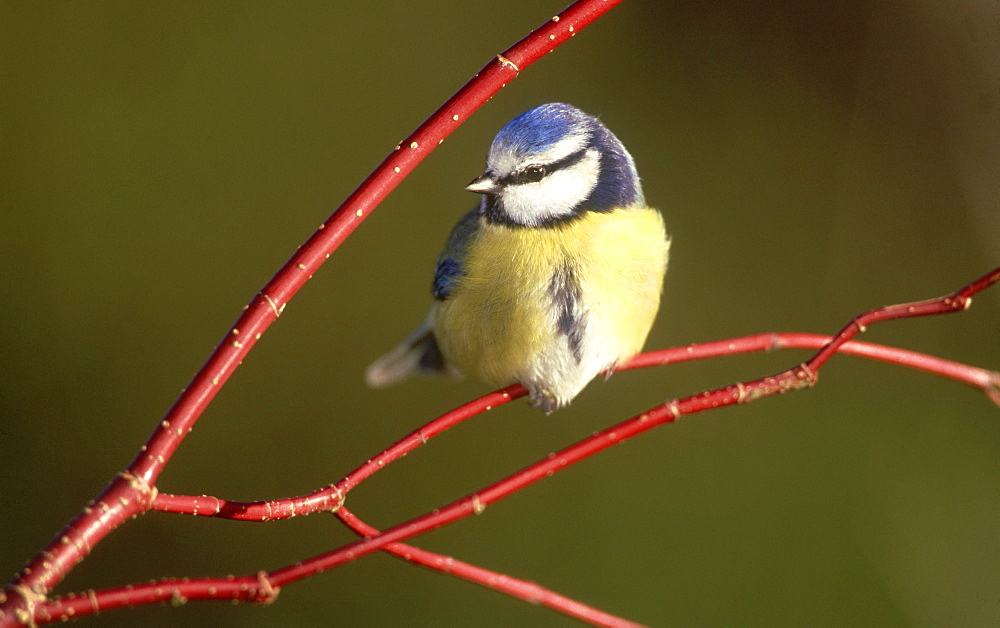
{"x": 506, "y": 159}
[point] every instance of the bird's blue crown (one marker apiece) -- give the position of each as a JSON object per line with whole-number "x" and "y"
{"x": 537, "y": 129}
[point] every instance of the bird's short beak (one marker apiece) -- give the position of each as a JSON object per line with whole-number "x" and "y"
{"x": 483, "y": 184}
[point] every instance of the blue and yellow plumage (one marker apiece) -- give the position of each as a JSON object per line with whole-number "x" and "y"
{"x": 555, "y": 276}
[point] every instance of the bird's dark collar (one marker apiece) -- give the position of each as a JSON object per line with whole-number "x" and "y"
{"x": 491, "y": 210}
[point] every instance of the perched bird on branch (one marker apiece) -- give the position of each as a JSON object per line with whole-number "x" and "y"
{"x": 554, "y": 277}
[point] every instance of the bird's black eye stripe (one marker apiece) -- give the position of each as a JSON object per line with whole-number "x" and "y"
{"x": 536, "y": 172}
{"x": 533, "y": 173}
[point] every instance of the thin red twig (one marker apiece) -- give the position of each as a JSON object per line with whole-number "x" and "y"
{"x": 329, "y": 498}
{"x": 956, "y": 302}
{"x": 514, "y": 587}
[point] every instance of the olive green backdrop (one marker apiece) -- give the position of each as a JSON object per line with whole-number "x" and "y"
{"x": 159, "y": 161}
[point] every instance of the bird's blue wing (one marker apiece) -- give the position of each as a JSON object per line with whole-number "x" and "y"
{"x": 449, "y": 265}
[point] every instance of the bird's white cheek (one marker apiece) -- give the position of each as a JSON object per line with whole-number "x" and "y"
{"x": 555, "y": 196}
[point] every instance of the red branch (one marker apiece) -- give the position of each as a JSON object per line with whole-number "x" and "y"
{"x": 263, "y": 586}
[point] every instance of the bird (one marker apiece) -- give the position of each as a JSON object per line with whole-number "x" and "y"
{"x": 554, "y": 277}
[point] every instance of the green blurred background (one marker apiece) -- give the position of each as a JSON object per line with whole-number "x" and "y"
{"x": 813, "y": 160}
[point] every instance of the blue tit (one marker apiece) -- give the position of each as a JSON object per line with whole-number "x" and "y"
{"x": 554, "y": 277}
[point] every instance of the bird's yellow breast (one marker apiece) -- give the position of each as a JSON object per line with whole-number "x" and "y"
{"x": 501, "y": 324}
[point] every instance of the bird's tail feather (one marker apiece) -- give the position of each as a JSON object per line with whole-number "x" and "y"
{"x": 417, "y": 354}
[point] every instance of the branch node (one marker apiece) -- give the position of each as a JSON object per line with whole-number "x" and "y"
{"x": 92, "y": 596}
{"x": 958, "y": 302}
{"x": 274, "y": 306}
{"x": 140, "y": 484}
{"x": 806, "y": 374}
{"x": 177, "y": 598}
{"x": 675, "y": 410}
{"x": 992, "y": 388}
{"x": 266, "y": 593}
{"x": 32, "y": 598}
{"x": 507, "y": 63}
{"x": 477, "y": 504}
{"x": 341, "y": 497}
{"x": 741, "y": 393}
